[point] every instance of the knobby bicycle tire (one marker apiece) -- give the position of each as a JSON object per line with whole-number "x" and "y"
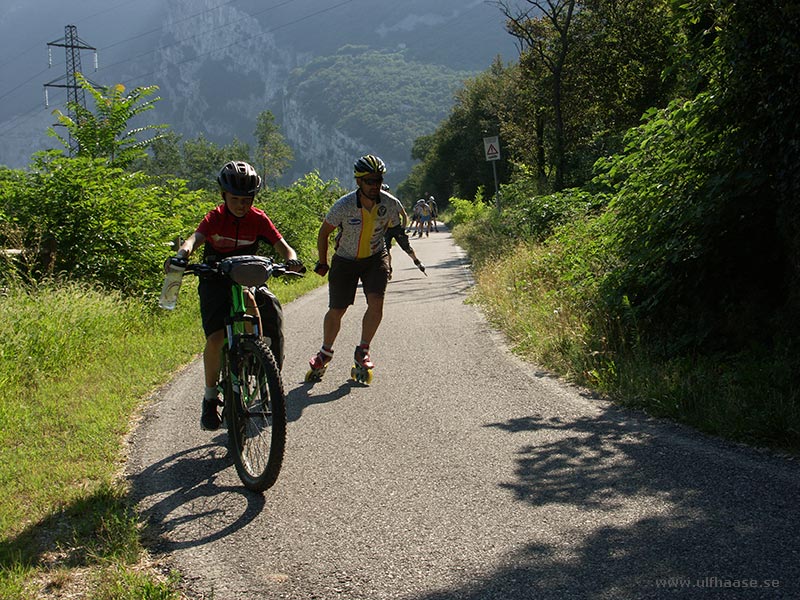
{"x": 257, "y": 415}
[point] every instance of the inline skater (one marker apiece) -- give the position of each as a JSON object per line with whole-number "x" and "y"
{"x": 362, "y": 218}
{"x": 434, "y": 212}
{"x": 417, "y": 215}
{"x": 399, "y": 233}
{"x": 233, "y": 228}
{"x": 414, "y": 220}
{"x": 424, "y": 221}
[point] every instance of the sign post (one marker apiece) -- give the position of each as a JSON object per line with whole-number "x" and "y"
{"x": 491, "y": 147}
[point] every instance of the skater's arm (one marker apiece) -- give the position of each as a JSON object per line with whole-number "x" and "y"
{"x": 323, "y": 239}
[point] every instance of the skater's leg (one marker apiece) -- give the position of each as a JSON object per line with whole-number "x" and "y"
{"x": 372, "y": 318}
{"x": 331, "y": 325}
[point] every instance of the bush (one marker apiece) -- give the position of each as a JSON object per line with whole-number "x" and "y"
{"x": 297, "y": 211}
{"x": 466, "y": 211}
{"x": 534, "y": 218}
{"x": 80, "y": 218}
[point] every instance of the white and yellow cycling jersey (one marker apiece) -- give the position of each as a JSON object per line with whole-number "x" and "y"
{"x": 361, "y": 231}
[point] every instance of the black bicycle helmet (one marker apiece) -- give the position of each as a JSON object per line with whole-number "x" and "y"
{"x": 239, "y": 178}
{"x": 369, "y": 163}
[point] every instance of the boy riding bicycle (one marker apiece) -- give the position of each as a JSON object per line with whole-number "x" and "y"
{"x": 234, "y": 228}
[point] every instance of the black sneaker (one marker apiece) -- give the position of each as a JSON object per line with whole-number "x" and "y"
{"x": 210, "y": 420}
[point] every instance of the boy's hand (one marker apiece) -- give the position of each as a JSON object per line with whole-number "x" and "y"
{"x": 179, "y": 260}
{"x": 295, "y": 265}
{"x": 321, "y": 269}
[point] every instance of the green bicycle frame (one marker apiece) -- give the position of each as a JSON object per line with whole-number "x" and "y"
{"x": 235, "y": 324}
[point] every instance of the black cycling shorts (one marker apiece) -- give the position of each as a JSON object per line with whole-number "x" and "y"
{"x": 215, "y": 302}
{"x": 344, "y": 275}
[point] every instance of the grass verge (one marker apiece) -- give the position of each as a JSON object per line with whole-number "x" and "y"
{"x": 532, "y": 294}
{"x": 76, "y": 363}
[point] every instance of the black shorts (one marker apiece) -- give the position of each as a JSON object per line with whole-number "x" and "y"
{"x": 215, "y": 306}
{"x": 344, "y": 275}
{"x": 215, "y": 302}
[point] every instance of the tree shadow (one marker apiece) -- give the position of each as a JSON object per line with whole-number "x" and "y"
{"x": 669, "y": 514}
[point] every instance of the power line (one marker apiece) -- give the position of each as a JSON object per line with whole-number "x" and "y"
{"x": 82, "y": 20}
{"x": 97, "y": 14}
{"x": 19, "y": 120}
{"x": 14, "y": 89}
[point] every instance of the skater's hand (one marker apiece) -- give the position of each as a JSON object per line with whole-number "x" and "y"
{"x": 321, "y": 269}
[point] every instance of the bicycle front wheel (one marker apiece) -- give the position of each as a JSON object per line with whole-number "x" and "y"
{"x": 257, "y": 421}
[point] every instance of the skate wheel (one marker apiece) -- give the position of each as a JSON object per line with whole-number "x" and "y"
{"x": 314, "y": 375}
{"x": 361, "y": 375}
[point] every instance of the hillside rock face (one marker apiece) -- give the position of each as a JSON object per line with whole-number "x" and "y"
{"x": 319, "y": 146}
{"x": 218, "y": 70}
{"x": 217, "y": 87}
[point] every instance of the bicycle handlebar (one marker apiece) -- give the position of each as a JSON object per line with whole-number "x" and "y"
{"x": 226, "y": 267}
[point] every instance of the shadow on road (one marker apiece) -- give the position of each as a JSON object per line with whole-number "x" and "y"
{"x": 663, "y": 515}
{"x": 299, "y": 399}
{"x": 191, "y": 497}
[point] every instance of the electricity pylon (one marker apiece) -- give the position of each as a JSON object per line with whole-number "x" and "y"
{"x": 75, "y": 93}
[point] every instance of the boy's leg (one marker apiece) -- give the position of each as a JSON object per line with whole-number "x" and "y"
{"x": 271, "y": 325}
{"x": 212, "y": 354}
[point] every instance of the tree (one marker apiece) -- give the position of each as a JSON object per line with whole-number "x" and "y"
{"x": 547, "y": 36}
{"x": 453, "y": 160}
{"x": 273, "y": 154}
{"x": 104, "y": 133}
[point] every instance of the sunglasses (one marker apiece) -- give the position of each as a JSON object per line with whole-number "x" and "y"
{"x": 372, "y": 180}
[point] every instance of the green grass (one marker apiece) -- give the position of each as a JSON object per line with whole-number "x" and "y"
{"x": 76, "y": 363}
{"x": 750, "y": 396}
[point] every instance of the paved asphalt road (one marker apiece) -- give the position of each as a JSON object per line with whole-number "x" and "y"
{"x": 460, "y": 473}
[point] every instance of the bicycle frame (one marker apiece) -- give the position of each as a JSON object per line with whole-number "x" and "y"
{"x": 235, "y": 328}
{"x": 235, "y": 323}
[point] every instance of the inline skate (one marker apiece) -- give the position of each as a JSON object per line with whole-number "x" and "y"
{"x": 362, "y": 366}
{"x": 318, "y": 364}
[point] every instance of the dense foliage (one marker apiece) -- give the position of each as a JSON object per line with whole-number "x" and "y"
{"x": 677, "y": 253}
{"x": 82, "y": 219}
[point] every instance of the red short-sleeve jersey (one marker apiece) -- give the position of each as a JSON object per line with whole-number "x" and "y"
{"x": 227, "y": 235}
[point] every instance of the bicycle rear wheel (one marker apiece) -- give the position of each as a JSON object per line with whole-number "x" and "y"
{"x": 257, "y": 421}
